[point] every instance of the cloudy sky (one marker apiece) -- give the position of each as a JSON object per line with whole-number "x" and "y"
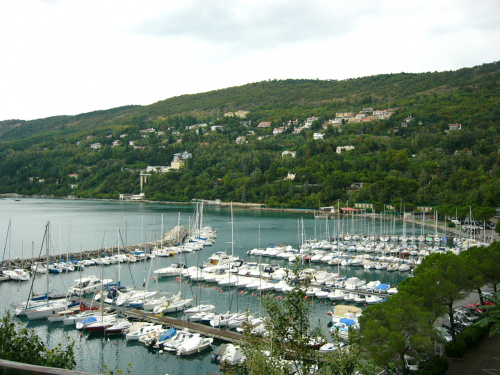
{"x": 64, "y": 57}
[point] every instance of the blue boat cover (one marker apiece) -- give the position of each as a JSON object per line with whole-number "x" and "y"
{"x": 91, "y": 319}
{"x": 348, "y": 322}
{"x": 167, "y": 334}
{"x": 382, "y": 287}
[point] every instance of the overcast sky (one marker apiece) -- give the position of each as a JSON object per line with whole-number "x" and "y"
{"x": 65, "y": 57}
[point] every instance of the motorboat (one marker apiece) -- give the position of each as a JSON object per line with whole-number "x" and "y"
{"x": 232, "y": 356}
{"x": 198, "y": 309}
{"x": 175, "y": 269}
{"x": 372, "y": 299}
{"x": 175, "y": 304}
{"x": 135, "y": 335}
{"x": 174, "y": 342}
{"x": 59, "y": 316}
{"x": 17, "y": 274}
{"x": 101, "y": 324}
{"x": 88, "y": 284}
{"x": 118, "y": 327}
{"x": 158, "y": 338}
{"x": 48, "y": 308}
{"x": 39, "y": 267}
{"x": 194, "y": 344}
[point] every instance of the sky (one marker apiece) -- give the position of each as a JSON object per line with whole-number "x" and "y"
{"x": 65, "y": 57}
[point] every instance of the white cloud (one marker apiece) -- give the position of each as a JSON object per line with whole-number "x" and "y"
{"x": 68, "y": 57}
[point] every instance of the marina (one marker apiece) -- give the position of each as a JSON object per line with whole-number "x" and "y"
{"x": 110, "y": 223}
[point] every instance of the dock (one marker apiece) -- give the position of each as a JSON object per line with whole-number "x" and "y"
{"x": 208, "y": 331}
{"x": 135, "y": 314}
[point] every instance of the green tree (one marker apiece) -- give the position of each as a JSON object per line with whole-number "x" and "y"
{"x": 20, "y": 344}
{"x": 491, "y": 316}
{"x": 440, "y": 280}
{"x": 399, "y": 327}
{"x": 288, "y": 344}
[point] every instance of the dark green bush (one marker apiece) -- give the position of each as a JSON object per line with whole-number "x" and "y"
{"x": 433, "y": 366}
{"x": 471, "y": 335}
{"x": 455, "y": 349}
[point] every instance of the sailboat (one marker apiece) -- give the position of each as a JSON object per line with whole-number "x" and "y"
{"x": 17, "y": 274}
{"x": 175, "y": 303}
{"x": 200, "y": 308}
{"x": 48, "y": 307}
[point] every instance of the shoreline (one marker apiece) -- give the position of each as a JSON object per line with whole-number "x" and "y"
{"x": 492, "y": 236}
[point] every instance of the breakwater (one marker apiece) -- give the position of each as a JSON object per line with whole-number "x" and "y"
{"x": 177, "y": 235}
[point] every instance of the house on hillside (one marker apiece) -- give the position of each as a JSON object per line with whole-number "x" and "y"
{"x": 264, "y": 124}
{"x": 318, "y": 136}
{"x": 344, "y": 148}
{"x": 292, "y": 154}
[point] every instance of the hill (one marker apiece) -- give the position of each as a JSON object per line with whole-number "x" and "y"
{"x": 403, "y": 147}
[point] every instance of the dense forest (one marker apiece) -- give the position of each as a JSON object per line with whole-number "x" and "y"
{"x": 404, "y": 150}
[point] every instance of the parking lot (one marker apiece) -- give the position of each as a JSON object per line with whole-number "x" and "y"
{"x": 484, "y": 358}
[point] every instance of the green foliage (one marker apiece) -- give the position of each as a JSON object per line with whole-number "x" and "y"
{"x": 491, "y": 316}
{"x": 20, "y": 344}
{"x": 472, "y": 334}
{"x": 421, "y": 163}
{"x": 399, "y": 327}
{"x": 288, "y": 344}
{"x": 455, "y": 349}
{"x": 433, "y": 366}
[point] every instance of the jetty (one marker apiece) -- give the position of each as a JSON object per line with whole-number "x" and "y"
{"x": 177, "y": 235}
{"x": 202, "y": 329}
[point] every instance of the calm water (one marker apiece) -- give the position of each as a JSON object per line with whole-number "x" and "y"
{"x": 84, "y": 225}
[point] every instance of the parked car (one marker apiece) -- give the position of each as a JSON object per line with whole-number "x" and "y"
{"x": 465, "y": 315}
{"x": 445, "y": 334}
{"x": 477, "y": 306}
{"x": 447, "y": 326}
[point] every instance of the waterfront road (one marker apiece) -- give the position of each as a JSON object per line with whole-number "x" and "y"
{"x": 484, "y": 359}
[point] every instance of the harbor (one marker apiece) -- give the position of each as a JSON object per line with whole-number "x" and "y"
{"x": 249, "y": 230}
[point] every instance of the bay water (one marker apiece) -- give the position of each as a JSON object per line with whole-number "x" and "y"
{"x": 79, "y": 225}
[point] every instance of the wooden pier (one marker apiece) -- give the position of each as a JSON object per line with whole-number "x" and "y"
{"x": 218, "y": 333}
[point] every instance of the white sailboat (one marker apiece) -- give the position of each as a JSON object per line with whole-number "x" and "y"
{"x": 48, "y": 307}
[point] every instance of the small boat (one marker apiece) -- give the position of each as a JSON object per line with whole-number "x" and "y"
{"x": 102, "y": 324}
{"x": 59, "y": 316}
{"x": 88, "y": 284}
{"x": 370, "y": 300}
{"x": 232, "y": 356}
{"x": 202, "y": 308}
{"x": 143, "y": 331}
{"x": 173, "y": 343}
{"x": 39, "y": 267}
{"x": 17, "y": 274}
{"x": 173, "y": 305}
{"x": 155, "y": 340}
{"x": 48, "y": 308}
{"x": 118, "y": 327}
{"x": 195, "y": 344}
{"x": 330, "y": 347}
{"x": 404, "y": 267}
{"x": 174, "y": 269}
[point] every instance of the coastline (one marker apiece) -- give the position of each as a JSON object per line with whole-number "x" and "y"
{"x": 492, "y": 236}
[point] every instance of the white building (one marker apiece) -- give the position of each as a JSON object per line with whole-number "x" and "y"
{"x": 318, "y": 135}
{"x": 344, "y": 148}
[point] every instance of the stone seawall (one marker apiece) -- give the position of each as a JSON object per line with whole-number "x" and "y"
{"x": 177, "y": 235}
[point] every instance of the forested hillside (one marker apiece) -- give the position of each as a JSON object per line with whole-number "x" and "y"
{"x": 403, "y": 150}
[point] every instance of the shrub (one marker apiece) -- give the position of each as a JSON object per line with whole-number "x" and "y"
{"x": 433, "y": 366}
{"x": 455, "y": 349}
{"x": 471, "y": 335}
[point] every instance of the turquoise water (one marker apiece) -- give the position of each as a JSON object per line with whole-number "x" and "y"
{"x": 91, "y": 224}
